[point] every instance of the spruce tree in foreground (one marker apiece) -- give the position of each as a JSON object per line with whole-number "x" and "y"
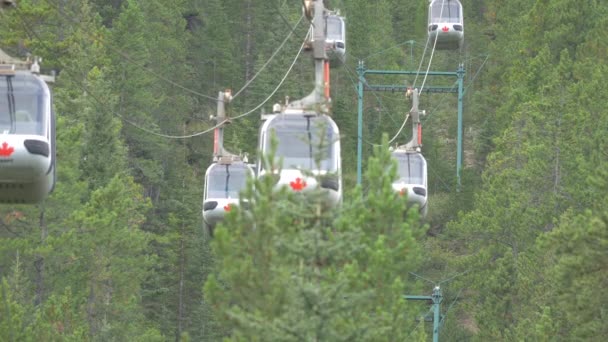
{"x": 290, "y": 268}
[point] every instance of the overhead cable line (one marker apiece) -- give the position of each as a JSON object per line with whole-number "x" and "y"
{"x": 160, "y": 77}
{"x": 350, "y": 73}
{"x": 400, "y": 129}
{"x": 456, "y": 85}
{"x": 355, "y": 89}
{"x": 417, "y": 73}
{"x": 292, "y": 28}
{"x": 390, "y": 48}
{"x": 421, "y": 61}
{"x": 280, "y": 83}
{"x": 85, "y": 89}
{"x": 475, "y": 76}
{"x": 445, "y": 315}
{"x": 269, "y": 59}
{"x": 420, "y": 321}
{"x": 426, "y": 74}
{"x": 445, "y": 185}
{"x": 127, "y": 58}
{"x": 211, "y": 128}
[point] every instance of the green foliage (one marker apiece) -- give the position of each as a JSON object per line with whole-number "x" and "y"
{"x": 11, "y": 320}
{"x": 533, "y": 186}
{"x": 101, "y": 129}
{"x": 291, "y": 268}
{"x": 106, "y": 261}
{"x": 60, "y": 319}
{"x": 578, "y": 246}
{"x": 117, "y": 251}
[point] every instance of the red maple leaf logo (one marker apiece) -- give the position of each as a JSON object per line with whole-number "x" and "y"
{"x": 445, "y": 29}
{"x": 6, "y": 151}
{"x": 298, "y": 185}
{"x": 227, "y": 207}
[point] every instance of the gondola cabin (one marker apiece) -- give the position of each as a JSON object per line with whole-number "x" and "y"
{"x": 224, "y": 180}
{"x": 446, "y": 24}
{"x": 27, "y": 137}
{"x": 335, "y": 39}
{"x": 412, "y": 178}
{"x": 307, "y": 143}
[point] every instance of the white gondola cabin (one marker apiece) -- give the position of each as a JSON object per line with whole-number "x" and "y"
{"x": 223, "y": 183}
{"x": 27, "y": 137}
{"x": 307, "y": 142}
{"x": 446, "y": 24}
{"x": 412, "y": 178}
{"x": 335, "y": 39}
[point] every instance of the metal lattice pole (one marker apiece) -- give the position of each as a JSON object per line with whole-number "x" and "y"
{"x": 436, "y": 298}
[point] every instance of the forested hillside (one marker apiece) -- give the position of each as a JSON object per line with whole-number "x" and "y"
{"x": 118, "y": 252}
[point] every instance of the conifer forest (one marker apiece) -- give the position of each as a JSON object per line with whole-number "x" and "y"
{"x": 515, "y": 240}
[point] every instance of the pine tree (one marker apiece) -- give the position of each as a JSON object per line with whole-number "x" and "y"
{"x": 11, "y": 320}
{"x": 103, "y": 155}
{"x": 576, "y": 267}
{"x": 288, "y": 268}
{"x": 106, "y": 262}
{"x": 60, "y": 318}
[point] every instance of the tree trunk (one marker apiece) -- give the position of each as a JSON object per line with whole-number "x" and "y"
{"x": 182, "y": 262}
{"x": 91, "y": 312}
{"x": 248, "y": 41}
{"x": 180, "y": 306}
{"x": 39, "y": 262}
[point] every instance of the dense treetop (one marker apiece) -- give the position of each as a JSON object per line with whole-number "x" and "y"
{"x": 118, "y": 252}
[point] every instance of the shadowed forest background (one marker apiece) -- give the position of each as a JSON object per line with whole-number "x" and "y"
{"x": 118, "y": 253}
